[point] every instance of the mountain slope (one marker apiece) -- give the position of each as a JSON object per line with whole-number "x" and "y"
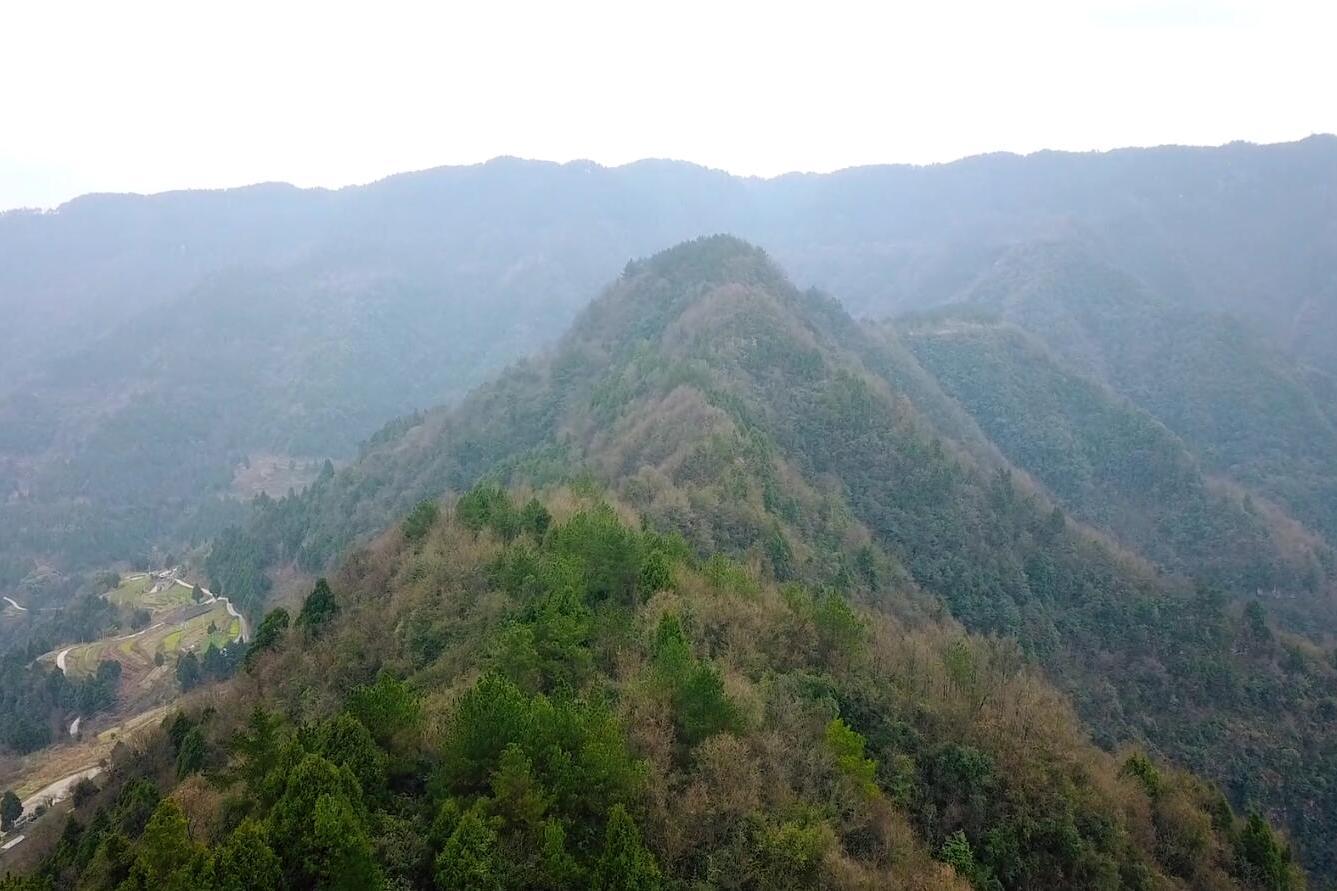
{"x": 522, "y": 694}
{"x": 1243, "y": 229}
{"x": 722, "y": 404}
{"x": 272, "y": 323}
{"x": 1249, "y": 412}
{"x": 1114, "y": 466}
{"x": 156, "y": 348}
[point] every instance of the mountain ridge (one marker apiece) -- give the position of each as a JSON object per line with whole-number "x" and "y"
{"x": 712, "y": 397}
{"x": 466, "y": 251}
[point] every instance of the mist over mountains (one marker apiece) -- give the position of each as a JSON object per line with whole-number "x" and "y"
{"x": 248, "y": 320}
{"x": 725, "y": 406}
{"x": 1083, "y": 407}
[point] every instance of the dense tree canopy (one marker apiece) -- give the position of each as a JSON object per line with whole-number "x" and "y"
{"x": 738, "y": 416}
{"x": 700, "y": 731}
{"x": 733, "y": 590}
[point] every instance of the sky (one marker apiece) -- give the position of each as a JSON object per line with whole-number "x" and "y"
{"x": 147, "y": 96}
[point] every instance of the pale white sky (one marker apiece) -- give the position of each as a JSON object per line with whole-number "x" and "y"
{"x": 140, "y": 96}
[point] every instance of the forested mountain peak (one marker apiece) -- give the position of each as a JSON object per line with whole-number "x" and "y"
{"x": 344, "y": 308}
{"x": 1071, "y": 446}
{"x": 1248, "y": 409}
{"x": 654, "y": 292}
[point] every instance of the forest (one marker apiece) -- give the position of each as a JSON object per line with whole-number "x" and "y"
{"x": 991, "y": 548}
{"x": 757, "y": 421}
{"x": 156, "y": 344}
{"x": 537, "y": 691}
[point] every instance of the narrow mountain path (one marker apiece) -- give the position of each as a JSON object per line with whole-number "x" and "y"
{"x": 139, "y": 632}
{"x": 14, "y": 603}
{"x": 211, "y": 597}
{"x": 60, "y": 789}
{"x": 48, "y": 795}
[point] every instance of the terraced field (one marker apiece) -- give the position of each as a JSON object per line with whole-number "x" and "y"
{"x": 173, "y": 631}
{"x": 148, "y": 685}
{"x": 177, "y": 624}
{"x": 147, "y": 592}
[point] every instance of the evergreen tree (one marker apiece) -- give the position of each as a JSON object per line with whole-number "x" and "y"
{"x": 1255, "y": 624}
{"x": 388, "y": 708}
{"x": 109, "y": 864}
{"x": 1264, "y": 859}
{"x": 516, "y": 795}
{"x": 268, "y": 635}
{"x": 957, "y": 853}
{"x": 317, "y": 827}
{"x": 656, "y": 573}
{"x": 190, "y": 756}
{"x": 188, "y": 673}
{"x": 257, "y": 746}
{"x": 471, "y": 858}
{"x": 338, "y": 852}
{"x": 10, "y": 809}
{"x": 215, "y": 665}
{"x": 421, "y": 520}
{"x": 165, "y": 857}
{"x": 700, "y": 705}
{"x": 534, "y": 518}
{"x": 345, "y": 742}
{"x": 137, "y": 803}
{"x": 703, "y": 707}
{"x": 177, "y": 729}
{"x": 557, "y": 868}
{"x": 318, "y": 608}
{"x": 847, "y": 745}
{"x": 625, "y": 864}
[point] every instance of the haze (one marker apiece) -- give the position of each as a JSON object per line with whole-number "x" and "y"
{"x": 148, "y": 97}
{"x": 548, "y": 490}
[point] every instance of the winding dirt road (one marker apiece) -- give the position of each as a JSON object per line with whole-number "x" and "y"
{"x": 211, "y": 597}
{"x": 139, "y": 632}
{"x": 60, "y": 789}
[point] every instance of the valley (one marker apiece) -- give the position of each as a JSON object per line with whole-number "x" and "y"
{"x": 528, "y": 518}
{"x": 668, "y": 447}
{"x": 175, "y": 624}
{"x": 761, "y": 423}
{"x": 148, "y": 655}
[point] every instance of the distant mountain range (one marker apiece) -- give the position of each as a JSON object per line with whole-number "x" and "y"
{"x": 1084, "y": 405}
{"x": 957, "y": 468}
{"x": 155, "y": 344}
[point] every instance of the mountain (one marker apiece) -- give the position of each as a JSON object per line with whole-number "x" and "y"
{"x": 720, "y": 404}
{"x": 191, "y": 349}
{"x": 150, "y": 425}
{"x": 1247, "y": 410}
{"x": 157, "y": 347}
{"x": 1114, "y": 465}
{"x": 513, "y": 693}
{"x": 720, "y": 648}
{"x": 1241, "y": 229}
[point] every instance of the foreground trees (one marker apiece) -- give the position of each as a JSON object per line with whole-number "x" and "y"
{"x": 579, "y": 720}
